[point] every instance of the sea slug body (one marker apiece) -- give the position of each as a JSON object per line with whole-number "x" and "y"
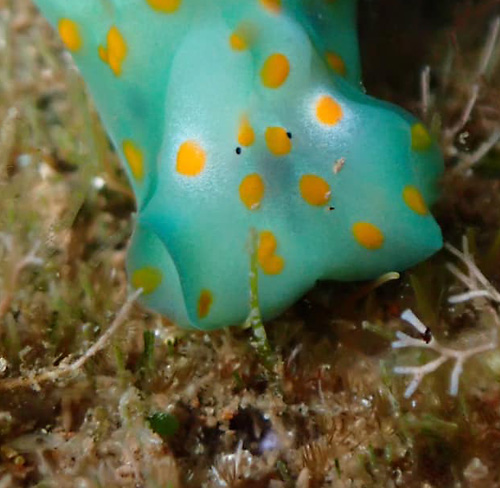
{"x": 236, "y": 118}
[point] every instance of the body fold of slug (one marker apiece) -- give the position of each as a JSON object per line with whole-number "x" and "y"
{"x": 245, "y": 117}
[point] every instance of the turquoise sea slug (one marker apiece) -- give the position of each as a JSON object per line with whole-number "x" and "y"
{"x": 247, "y": 117}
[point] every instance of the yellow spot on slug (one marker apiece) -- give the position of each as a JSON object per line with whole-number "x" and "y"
{"x": 421, "y": 140}
{"x": 147, "y": 278}
{"x": 115, "y": 52}
{"x": 246, "y": 134}
{"x": 368, "y": 235}
{"x": 205, "y": 303}
{"x": 328, "y": 111}
{"x": 269, "y": 261}
{"x": 273, "y": 6}
{"x": 191, "y": 159}
{"x": 414, "y": 199}
{"x": 238, "y": 42}
{"x": 314, "y": 190}
{"x": 336, "y": 63}
{"x": 243, "y": 36}
{"x": 277, "y": 141}
{"x": 165, "y": 6}
{"x": 103, "y": 54}
{"x": 275, "y": 71}
{"x": 252, "y": 190}
{"x": 135, "y": 159}
{"x": 70, "y": 34}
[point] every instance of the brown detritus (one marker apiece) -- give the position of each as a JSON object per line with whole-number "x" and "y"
{"x": 66, "y": 369}
{"x": 14, "y": 271}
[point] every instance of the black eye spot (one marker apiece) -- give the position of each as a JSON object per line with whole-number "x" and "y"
{"x": 331, "y": 208}
{"x": 427, "y": 335}
{"x": 289, "y": 135}
{"x": 238, "y": 150}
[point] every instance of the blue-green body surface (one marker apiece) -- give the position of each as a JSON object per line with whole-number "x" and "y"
{"x": 246, "y": 117}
